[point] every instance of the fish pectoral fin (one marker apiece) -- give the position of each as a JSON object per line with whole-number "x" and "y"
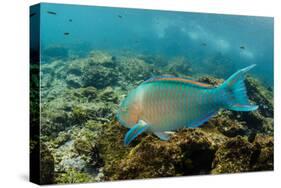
{"x": 136, "y": 130}
{"x": 162, "y": 135}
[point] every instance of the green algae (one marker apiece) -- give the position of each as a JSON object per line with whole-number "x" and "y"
{"x": 233, "y": 156}
{"x": 83, "y": 147}
{"x": 112, "y": 149}
{"x": 73, "y": 176}
{"x": 78, "y": 103}
{"x": 188, "y": 152}
{"x": 261, "y": 95}
{"x": 239, "y": 155}
{"x": 79, "y": 114}
{"x": 46, "y": 165}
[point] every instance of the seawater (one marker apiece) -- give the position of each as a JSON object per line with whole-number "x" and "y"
{"x": 238, "y": 41}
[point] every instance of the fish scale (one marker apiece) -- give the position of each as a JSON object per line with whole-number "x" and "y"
{"x": 170, "y": 103}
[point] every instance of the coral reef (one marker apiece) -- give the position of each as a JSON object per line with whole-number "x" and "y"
{"x": 178, "y": 66}
{"x": 233, "y": 156}
{"x": 83, "y": 142}
{"x": 46, "y": 165}
{"x": 188, "y": 152}
{"x": 239, "y": 155}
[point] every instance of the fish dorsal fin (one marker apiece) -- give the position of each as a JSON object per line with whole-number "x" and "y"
{"x": 177, "y": 79}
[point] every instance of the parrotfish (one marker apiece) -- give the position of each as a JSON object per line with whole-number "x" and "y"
{"x": 164, "y": 104}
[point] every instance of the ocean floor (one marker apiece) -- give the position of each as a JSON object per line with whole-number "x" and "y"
{"x": 81, "y": 141}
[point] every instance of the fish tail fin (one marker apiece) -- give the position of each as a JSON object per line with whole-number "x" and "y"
{"x": 235, "y": 92}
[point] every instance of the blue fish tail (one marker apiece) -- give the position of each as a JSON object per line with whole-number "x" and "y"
{"x": 234, "y": 92}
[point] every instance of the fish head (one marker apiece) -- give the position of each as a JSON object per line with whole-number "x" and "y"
{"x": 129, "y": 111}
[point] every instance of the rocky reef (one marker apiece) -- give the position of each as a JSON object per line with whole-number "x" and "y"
{"x": 83, "y": 142}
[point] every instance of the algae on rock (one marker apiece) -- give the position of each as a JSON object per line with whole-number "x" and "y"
{"x": 84, "y": 142}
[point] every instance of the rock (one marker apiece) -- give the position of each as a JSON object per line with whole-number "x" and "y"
{"x": 80, "y": 97}
{"x": 260, "y": 95}
{"x": 268, "y": 126}
{"x": 150, "y": 159}
{"x": 75, "y": 68}
{"x": 133, "y": 70}
{"x": 103, "y": 112}
{"x": 233, "y": 156}
{"x": 253, "y": 119}
{"x": 179, "y": 65}
{"x": 46, "y": 165}
{"x": 156, "y": 60}
{"x": 112, "y": 149}
{"x": 102, "y": 58}
{"x": 108, "y": 95}
{"x": 74, "y": 176}
{"x": 227, "y": 126}
{"x": 79, "y": 152}
{"x": 263, "y": 156}
{"x": 99, "y": 77}
{"x": 73, "y": 81}
{"x": 79, "y": 114}
{"x": 62, "y": 138}
{"x": 100, "y": 175}
{"x": 52, "y": 122}
{"x": 89, "y": 92}
{"x": 211, "y": 80}
{"x": 72, "y": 162}
{"x": 83, "y": 147}
{"x": 188, "y": 152}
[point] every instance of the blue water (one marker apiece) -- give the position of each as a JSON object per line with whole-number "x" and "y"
{"x": 242, "y": 40}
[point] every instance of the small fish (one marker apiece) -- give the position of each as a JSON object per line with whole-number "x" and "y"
{"x": 113, "y": 58}
{"x": 242, "y": 47}
{"x": 51, "y": 12}
{"x": 32, "y": 14}
{"x": 66, "y": 33}
{"x": 203, "y": 44}
{"x": 120, "y": 16}
{"x": 70, "y": 20}
{"x": 169, "y": 103}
